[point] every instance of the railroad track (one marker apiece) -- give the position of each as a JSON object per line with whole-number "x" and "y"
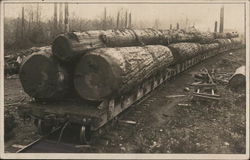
{"x": 49, "y": 144}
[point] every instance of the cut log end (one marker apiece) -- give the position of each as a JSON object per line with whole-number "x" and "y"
{"x": 45, "y": 80}
{"x": 61, "y": 48}
{"x": 238, "y": 80}
{"x": 95, "y": 78}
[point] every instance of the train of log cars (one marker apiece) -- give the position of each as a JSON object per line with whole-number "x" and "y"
{"x": 88, "y": 78}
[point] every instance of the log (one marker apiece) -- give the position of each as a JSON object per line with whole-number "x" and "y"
{"x": 42, "y": 77}
{"x": 223, "y": 42}
{"x": 236, "y": 40}
{"x": 225, "y": 35}
{"x": 238, "y": 79}
{"x": 113, "y": 71}
{"x": 183, "y": 51}
{"x": 130, "y": 37}
{"x": 236, "y": 43}
{"x": 209, "y": 47}
{"x": 119, "y": 38}
{"x": 204, "y": 37}
{"x": 70, "y": 46}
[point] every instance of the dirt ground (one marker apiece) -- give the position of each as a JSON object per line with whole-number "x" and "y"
{"x": 161, "y": 125}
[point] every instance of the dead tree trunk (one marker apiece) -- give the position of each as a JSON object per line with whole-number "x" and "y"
{"x": 22, "y": 29}
{"x": 55, "y": 19}
{"x": 42, "y": 77}
{"x": 60, "y": 17}
{"x": 117, "y": 20}
{"x": 66, "y": 18}
{"x": 126, "y": 20}
{"x": 221, "y": 19}
{"x": 130, "y": 21}
{"x": 105, "y": 19}
{"x": 215, "y": 26}
{"x": 111, "y": 71}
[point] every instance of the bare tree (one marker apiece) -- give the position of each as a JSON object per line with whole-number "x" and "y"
{"x": 126, "y": 20}
{"x": 156, "y": 24}
{"x": 215, "y": 26}
{"x": 117, "y": 20}
{"x": 55, "y": 18}
{"x": 22, "y": 27}
{"x": 60, "y": 26}
{"x": 105, "y": 19}
{"x": 37, "y": 14}
{"x": 130, "y": 20}
{"x": 66, "y": 19}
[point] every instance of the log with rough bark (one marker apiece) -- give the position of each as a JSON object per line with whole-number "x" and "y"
{"x": 236, "y": 43}
{"x": 236, "y": 40}
{"x": 238, "y": 80}
{"x": 68, "y": 47}
{"x": 209, "y": 47}
{"x": 223, "y": 42}
{"x": 225, "y": 35}
{"x": 150, "y": 36}
{"x": 119, "y": 38}
{"x": 42, "y": 77}
{"x": 183, "y": 51}
{"x": 111, "y": 71}
{"x": 204, "y": 37}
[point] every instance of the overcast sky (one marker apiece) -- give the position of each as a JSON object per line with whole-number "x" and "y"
{"x": 203, "y": 15}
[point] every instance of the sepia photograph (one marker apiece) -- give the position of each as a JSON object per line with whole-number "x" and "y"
{"x": 136, "y": 79}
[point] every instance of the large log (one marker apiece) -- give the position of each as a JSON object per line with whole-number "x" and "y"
{"x": 110, "y": 71}
{"x": 130, "y": 37}
{"x": 204, "y": 37}
{"x": 209, "y": 47}
{"x": 183, "y": 51}
{"x": 225, "y": 35}
{"x": 223, "y": 42}
{"x": 236, "y": 42}
{"x": 42, "y": 77}
{"x": 238, "y": 80}
{"x": 68, "y": 47}
{"x": 119, "y": 38}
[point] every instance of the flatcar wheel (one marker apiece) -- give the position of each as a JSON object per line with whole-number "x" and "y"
{"x": 84, "y": 135}
{"x": 42, "y": 128}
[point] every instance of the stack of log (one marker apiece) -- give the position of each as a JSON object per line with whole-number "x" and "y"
{"x": 68, "y": 47}
{"x": 99, "y": 64}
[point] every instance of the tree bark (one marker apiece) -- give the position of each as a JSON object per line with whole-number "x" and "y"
{"x": 68, "y": 47}
{"x": 223, "y": 42}
{"x": 183, "y": 51}
{"x": 42, "y": 77}
{"x": 209, "y": 47}
{"x": 111, "y": 71}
